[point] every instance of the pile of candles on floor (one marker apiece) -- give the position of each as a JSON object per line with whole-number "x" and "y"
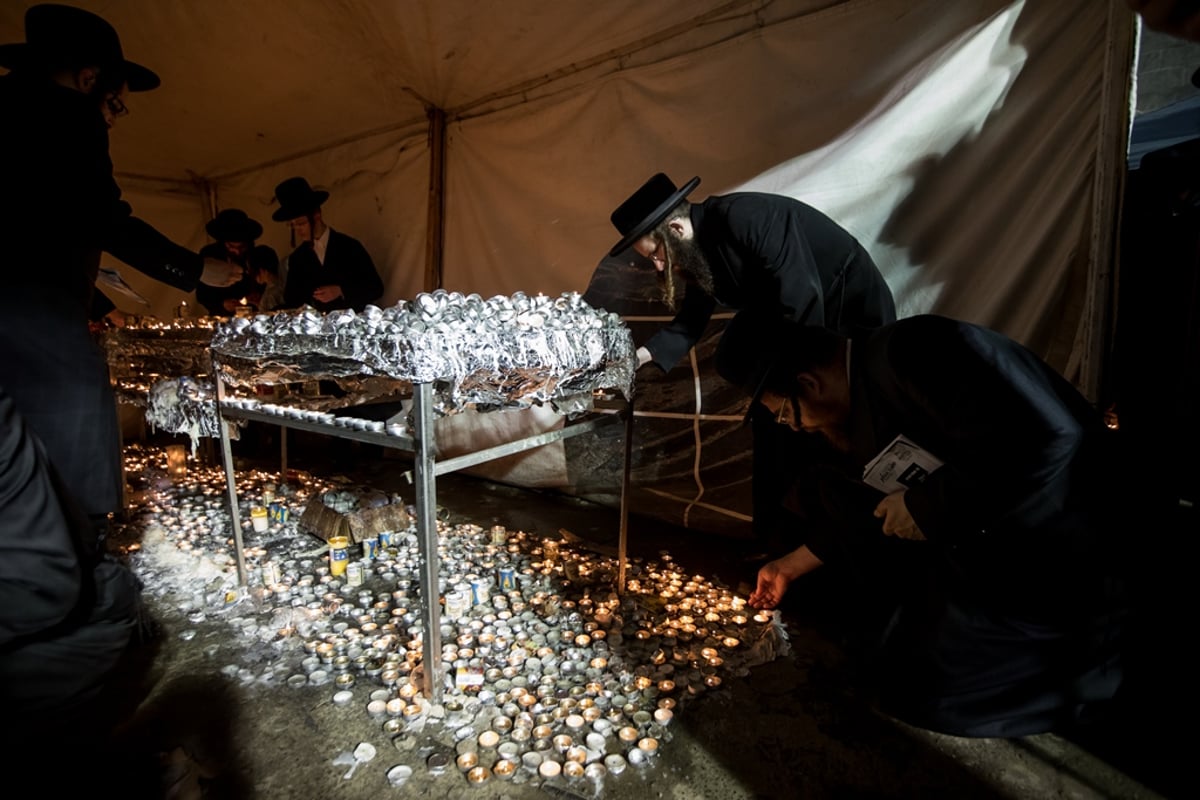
{"x": 549, "y": 673}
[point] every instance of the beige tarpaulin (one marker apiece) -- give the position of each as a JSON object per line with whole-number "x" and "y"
{"x": 975, "y": 147}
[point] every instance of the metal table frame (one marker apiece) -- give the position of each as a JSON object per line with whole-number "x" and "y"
{"x": 426, "y": 469}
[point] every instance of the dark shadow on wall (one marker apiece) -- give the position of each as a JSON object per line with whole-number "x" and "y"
{"x": 952, "y": 225}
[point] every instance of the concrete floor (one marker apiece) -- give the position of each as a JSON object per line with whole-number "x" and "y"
{"x": 797, "y": 726}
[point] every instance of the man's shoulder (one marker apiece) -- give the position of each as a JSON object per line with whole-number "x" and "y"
{"x": 932, "y": 339}
{"x": 921, "y": 327}
{"x": 301, "y": 254}
{"x": 345, "y": 244}
{"x": 740, "y": 209}
{"x": 752, "y": 200}
{"x": 336, "y": 235}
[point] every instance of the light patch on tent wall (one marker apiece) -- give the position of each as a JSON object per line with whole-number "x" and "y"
{"x": 863, "y": 175}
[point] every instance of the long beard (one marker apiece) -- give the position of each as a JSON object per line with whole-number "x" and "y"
{"x": 691, "y": 261}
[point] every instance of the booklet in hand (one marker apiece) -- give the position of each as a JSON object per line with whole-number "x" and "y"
{"x": 900, "y": 465}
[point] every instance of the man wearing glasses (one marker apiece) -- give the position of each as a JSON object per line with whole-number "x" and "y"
{"x": 59, "y": 209}
{"x": 990, "y": 586}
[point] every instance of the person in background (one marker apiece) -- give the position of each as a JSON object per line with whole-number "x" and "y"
{"x": 59, "y": 209}
{"x": 271, "y": 283}
{"x": 328, "y": 270}
{"x": 986, "y": 561}
{"x": 762, "y": 254}
{"x": 235, "y": 234}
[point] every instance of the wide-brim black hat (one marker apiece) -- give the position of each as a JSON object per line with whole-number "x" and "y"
{"x": 233, "y": 225}
{"x": 646, "y": 208}
{"x": 56, "y": 34}
{"x": 297, "y": 199}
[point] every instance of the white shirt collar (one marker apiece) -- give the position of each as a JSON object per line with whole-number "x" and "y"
{"x": 321, "y": 244}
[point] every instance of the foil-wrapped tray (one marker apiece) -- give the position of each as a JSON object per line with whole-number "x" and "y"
{"x": 504, "y": 352}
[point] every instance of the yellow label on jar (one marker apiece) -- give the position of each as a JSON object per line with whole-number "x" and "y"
{"x": 339, "y": 555}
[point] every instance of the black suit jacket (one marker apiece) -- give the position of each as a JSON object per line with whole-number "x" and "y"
{"x": 1024, "y": 452}
{"x": 776, "y": 255}
{"x": 347, "y": 264}
{"x": 59, "y": 208}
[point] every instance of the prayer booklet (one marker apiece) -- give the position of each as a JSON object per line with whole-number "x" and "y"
{"x": 900, "y": 465}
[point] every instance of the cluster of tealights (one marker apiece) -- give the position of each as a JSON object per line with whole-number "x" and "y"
{"x": 148, "y": 323}
{"x": 548, "y": 673}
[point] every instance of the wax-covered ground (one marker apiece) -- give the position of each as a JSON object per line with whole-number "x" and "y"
{"x": 215, "y": 718}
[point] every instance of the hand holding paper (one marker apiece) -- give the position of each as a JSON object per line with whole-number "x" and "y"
{"x": 900, "y": 465}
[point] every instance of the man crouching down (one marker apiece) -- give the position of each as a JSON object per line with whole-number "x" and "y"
{"x": 985, "y": 536}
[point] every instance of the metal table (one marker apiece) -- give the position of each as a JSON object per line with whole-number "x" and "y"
{"x": 426, "y": 469}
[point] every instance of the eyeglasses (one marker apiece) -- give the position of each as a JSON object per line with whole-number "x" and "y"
{"x": 786, "y": 413}
{"x": 115, "y": 106}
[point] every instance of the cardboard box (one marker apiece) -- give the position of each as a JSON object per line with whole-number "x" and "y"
{"x": 365, "y": 523}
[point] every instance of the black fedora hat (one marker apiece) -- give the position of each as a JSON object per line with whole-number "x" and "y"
{"x": 647, "y": 207}
{"x": 297, "y": 199}
{"x": 57, "y": 34}
{"x": 232, "y": 225}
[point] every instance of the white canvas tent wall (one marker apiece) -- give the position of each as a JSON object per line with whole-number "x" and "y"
{"x": 975, "y": 147}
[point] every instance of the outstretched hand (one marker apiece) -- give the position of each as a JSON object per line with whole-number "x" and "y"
{"x": 772, "y": 585}
{"x": 775, "y": 576}
{"x": 896, "y": 519}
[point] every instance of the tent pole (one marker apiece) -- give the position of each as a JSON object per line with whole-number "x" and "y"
{"x": 435, "y": 221}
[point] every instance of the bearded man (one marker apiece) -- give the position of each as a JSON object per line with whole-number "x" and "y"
{"x": 761, "y": 254}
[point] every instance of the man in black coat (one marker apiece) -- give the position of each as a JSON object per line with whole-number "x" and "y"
{"x": 66, "y": 611}
{"x": 328, "y": 270}
{"x": 59, "y": 208}
{"x": 988, "y": 545}
{"x": 235, "y": 234}
{"x": 764, "y": 255}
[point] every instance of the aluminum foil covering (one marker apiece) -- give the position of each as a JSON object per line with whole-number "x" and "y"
{"x": 184, "y": 405}
{"x": 505, "y": 352}
{"x": 147, "y": 348}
